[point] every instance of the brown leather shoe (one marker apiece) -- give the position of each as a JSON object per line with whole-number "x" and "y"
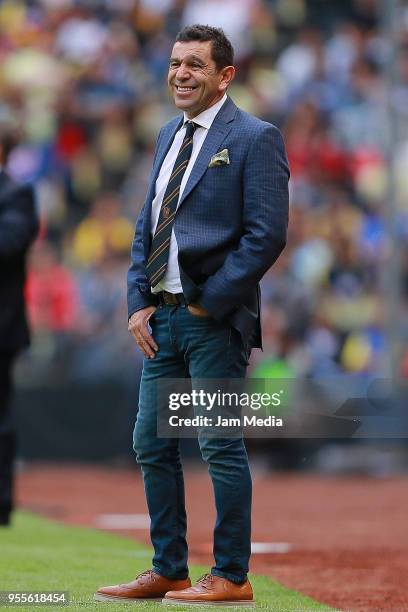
{"x": 147, "y": 586}
{"x": 213, "y": 591}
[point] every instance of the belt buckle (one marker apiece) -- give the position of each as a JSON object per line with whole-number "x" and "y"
{"x": 170, "y": 299}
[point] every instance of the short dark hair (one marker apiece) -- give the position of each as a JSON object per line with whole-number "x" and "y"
{"x": 222, "y": 51}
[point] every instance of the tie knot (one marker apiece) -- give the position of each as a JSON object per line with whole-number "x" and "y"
{"x": 190, "y": 129}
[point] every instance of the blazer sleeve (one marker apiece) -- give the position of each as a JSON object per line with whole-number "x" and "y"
{"x": 18, "y": 222}
{"x": 139, "y": 293}
{"x": 264, "y": 225}
{"x": 138, "y": 287}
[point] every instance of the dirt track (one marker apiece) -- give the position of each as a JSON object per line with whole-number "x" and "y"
{"x": 348, "y": 536}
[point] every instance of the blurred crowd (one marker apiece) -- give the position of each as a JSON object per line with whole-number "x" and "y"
{"x": 85, "y": 83}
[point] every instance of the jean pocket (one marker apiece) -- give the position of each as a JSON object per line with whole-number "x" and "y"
{"x": 152, "y": 319}
{"x": 152, "y": 316}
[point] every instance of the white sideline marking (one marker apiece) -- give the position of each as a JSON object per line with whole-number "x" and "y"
{"x": 263, "y": 548}
{"x": 142, "y": 522}
{"x": 123, "y": 521}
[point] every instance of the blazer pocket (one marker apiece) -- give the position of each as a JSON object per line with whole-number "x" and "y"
{"x": 217, "y": 165}
{"x": 220, "y": 159}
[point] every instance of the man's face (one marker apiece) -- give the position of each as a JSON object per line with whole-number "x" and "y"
{"x": 194, "y": 80}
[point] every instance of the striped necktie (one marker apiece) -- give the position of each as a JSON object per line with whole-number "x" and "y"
{"x": 160, "y": 248}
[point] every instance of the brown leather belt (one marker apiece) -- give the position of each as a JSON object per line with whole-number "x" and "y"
{"x": 171, "y": 299}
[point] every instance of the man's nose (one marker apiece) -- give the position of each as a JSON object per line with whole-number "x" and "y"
{"x": 182, "y": 72}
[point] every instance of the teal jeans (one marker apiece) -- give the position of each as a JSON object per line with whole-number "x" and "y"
{"x": 196, "y": 347}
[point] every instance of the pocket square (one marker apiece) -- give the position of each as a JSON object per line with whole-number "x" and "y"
{"x": 219, "y": 159}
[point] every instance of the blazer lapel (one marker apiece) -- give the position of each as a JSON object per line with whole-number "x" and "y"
{"x": 164, "y": 149}
{"x": 216, "y": 135}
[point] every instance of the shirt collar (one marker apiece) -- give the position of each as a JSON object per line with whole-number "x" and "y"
{"x": 206, "y": 118}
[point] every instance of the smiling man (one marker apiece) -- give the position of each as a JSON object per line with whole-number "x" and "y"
{"x": 193, "y": 77}
{"x": 214, "y": 221}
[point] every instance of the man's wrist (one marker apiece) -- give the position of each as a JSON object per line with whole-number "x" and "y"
{"x": 138, "y": 309}
{"x": 199, "y": 307}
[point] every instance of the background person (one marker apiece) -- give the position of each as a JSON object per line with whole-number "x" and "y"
{"x": 18, "y": 228}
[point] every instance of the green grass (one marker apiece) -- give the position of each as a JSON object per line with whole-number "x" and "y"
{"x": 40, "y": 555}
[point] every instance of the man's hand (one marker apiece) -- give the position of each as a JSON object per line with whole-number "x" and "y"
{"x": 198, "y": 310}
{"x": 139, "y": 330}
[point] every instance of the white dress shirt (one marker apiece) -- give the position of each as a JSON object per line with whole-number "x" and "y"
{"x": 171, "y": 281}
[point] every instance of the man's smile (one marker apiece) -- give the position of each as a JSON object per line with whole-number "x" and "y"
{"x": 184, "y": 88}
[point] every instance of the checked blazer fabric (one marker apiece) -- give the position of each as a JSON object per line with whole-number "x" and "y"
{"x": 159, "y": 251}
{"x": 230, "y": 224}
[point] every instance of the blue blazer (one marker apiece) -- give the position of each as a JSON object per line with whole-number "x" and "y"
{"x": 231, "y": 222}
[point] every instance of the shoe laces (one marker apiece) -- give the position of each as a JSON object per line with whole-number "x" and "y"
{"x": 147, "y": 573}
{"x": 206, "y": 580}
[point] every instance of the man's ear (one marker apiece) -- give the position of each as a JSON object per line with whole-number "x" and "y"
{"x": 228, "y": 74}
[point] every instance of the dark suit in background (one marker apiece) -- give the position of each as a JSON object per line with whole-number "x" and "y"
{"x": 18, "y": 228}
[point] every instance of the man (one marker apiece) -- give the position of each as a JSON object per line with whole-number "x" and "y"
{"x": 18, "y": 228}
{"x": 214, "y": 221}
